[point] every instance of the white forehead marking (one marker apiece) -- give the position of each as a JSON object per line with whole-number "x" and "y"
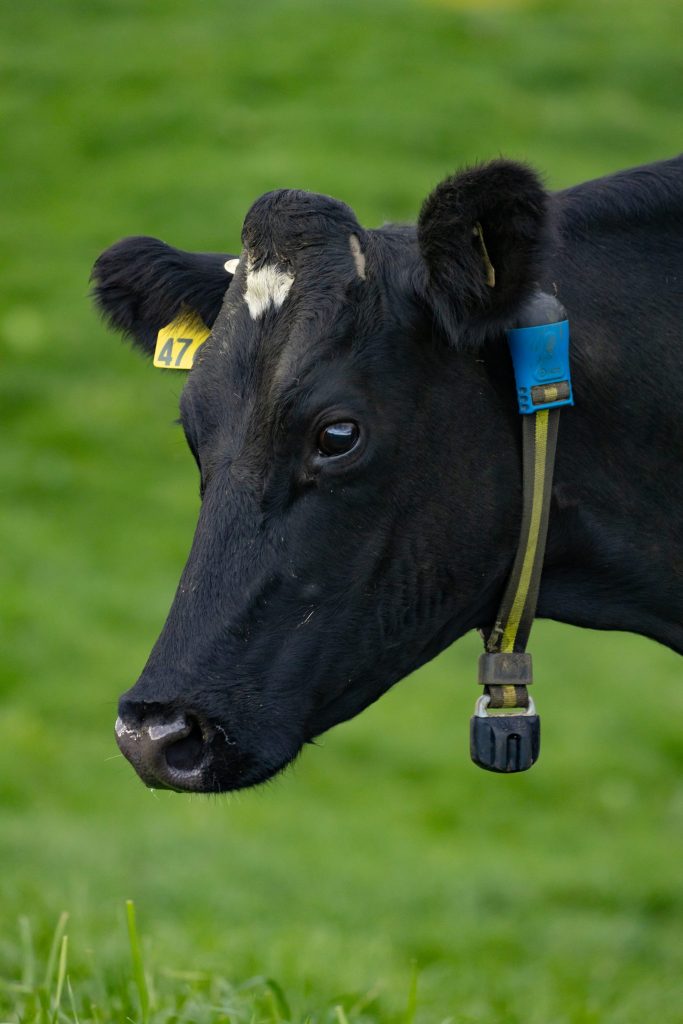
{"x": 231, "y": 266}
{"x": 265, "y": 287}
{"x": 357, "y": 253}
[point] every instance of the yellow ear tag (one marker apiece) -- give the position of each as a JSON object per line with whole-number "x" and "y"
{"x": 177, "y": 342}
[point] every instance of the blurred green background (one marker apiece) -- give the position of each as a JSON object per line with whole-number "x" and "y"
{"x": 548, "y": 898}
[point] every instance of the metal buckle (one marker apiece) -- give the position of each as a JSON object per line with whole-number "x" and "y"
{"x": 484, "y": 701}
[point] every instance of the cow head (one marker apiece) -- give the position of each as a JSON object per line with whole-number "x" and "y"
{"x": 343, "y": 416}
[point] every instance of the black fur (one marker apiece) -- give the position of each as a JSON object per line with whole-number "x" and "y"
{"x": 314, "y": 584}
{"x": 509, "y": 203}
{"x": 141, "y": 284}
{"x": 284, "y": 225}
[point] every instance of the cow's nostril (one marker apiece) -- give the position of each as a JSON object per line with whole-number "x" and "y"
{"x": 186, "y": 753}
{"x": 167, "y": 749}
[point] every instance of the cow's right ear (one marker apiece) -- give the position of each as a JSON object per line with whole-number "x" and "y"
{"x": 141, "y": 284}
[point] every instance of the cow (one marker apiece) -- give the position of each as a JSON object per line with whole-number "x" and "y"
{"x": 354, "y": 422}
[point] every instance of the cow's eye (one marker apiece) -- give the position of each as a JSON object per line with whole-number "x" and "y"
{"x": 338, "y": 438}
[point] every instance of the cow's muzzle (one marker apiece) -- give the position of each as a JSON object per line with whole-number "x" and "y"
{"x": 176, "y": 746}
{"x": 169, "y": 750}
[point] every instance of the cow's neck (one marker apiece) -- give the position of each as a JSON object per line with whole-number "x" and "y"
{"x": 588, "y": 582}
{"x": 613, "y": 559}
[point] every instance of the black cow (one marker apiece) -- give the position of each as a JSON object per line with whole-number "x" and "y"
{"x": 354, "y": 420}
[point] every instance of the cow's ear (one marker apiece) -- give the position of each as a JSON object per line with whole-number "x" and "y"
{"x": 141, "y": 284}
{"x": 480, "y": 234}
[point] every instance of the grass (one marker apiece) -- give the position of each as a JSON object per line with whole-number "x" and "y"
{"x": 553, "y": 898}
{"x": 171, "y": 995}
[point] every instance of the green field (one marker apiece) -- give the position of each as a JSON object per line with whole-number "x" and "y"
{"x": 383, "y": 856}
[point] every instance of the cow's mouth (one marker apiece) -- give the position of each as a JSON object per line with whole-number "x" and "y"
{"x": 187, "y": 754}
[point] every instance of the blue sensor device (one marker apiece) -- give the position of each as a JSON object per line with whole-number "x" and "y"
{"x": 540, "y": 357}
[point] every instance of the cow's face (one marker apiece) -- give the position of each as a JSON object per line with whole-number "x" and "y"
{"x": 350, "y": 525}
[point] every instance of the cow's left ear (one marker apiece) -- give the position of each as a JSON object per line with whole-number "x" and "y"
{"x": 141, "y": 284}
{"x": 480, "y": 234}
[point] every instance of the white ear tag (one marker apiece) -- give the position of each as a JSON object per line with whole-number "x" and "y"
{"x": 231, "y": 266}
{"x": 178, "y": 342}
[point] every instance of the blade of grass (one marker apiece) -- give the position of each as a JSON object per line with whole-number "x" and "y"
{"x": 72, "y": 1001}
{"x": 340, "y": 1015}
{"x": 138, "y": 966}
{"x": 54, "y": 949}
{"x": 61, "y": 975}
{"x": 279, "y": 999}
